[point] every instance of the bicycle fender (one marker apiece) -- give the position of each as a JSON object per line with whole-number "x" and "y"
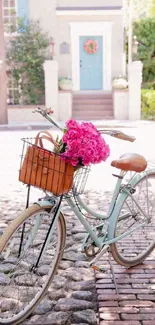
{"x": 44, "y": 204}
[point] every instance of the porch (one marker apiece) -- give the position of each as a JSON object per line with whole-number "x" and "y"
{"x": 121, "y": 104}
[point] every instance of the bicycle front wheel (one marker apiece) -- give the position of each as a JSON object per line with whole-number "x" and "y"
{"x": 23, "y": 281}
{"x": 136, "y": 246}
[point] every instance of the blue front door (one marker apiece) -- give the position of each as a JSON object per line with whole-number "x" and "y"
{"x": 91, "y": 70}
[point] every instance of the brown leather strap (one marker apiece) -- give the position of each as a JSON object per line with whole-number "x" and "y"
{"x": 46, "y": 135}
{"x": 44, "y": 132}
{"x": 48, "y": 139}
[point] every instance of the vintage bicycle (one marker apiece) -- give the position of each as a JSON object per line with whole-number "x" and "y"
{"x": 36, "y": 238}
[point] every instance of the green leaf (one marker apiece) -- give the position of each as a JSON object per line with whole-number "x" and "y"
{"x": 25, "y": 56}
{"x": 144, "y": 31}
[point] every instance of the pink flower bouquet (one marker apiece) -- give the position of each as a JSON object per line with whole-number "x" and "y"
{"x": 82, "y": 144}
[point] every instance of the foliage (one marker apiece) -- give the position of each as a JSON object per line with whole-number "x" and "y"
{"x": 141, "y": 8}
{"x": 148, "y": 104}
{"x": 152, "y": 10}
{"x": 144, "y": 31}
{"x": 149, "y": 85}
{"x": 65, "y": 80}
{"x": 25, "y": 56}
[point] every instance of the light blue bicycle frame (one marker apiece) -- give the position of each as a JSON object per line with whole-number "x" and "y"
{"x": 113, "y": 212}
{"x": 112, "y": 215}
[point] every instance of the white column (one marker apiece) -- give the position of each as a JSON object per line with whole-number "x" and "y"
{"x": 135, "y": 80}
{"x": 121, "y": 104}
{"x": 65, "y": 106}
{"x": 130, "y": 31}
{"x": 51, "y": 86}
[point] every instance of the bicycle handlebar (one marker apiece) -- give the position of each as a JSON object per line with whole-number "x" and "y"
{"x": 119, "y": 135}
{"x": 46, "y": 113}
{"x": 113, "y": 133}
{"x": 125, "y": 137}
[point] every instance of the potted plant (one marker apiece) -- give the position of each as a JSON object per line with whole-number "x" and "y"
{"x": 65, "y": 83}
{"x": 120, "y": 83}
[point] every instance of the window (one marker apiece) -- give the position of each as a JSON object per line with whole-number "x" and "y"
{"x": 10, "y": 17}
{"x": 13, "y": 90}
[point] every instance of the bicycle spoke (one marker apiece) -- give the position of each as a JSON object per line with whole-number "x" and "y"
{"x": 133, "y": 248}
{"x": 21, "y": 284}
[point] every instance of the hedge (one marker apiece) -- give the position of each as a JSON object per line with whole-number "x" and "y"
{"x": 148, "y": 104}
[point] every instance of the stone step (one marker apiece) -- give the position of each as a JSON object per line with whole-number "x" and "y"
{"x": 91, "y": 118}
{"x": 99, "y": 113}
{"x": 92, "y": 107}
{"x": 89, "y": 101}
{"x": 91, "y": 95}
{"x": 92, "y": 115}
{"x": 93, "y": 111}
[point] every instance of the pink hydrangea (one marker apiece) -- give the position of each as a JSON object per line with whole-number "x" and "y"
{"x": 84, "y": 144}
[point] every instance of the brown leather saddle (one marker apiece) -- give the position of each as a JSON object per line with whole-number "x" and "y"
{"x": 130, "y": 161}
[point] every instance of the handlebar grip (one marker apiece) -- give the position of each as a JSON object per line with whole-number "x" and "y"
{"x": 123, "y": 136}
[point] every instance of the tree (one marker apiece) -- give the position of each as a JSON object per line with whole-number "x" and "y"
{"x": 144, "y": 31}
{"x": 25, "y": 56}
{"x": 141, "y": 8}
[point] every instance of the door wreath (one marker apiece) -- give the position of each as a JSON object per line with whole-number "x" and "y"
{"x": 91, "y": 46}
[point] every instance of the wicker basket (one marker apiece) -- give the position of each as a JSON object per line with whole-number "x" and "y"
{"x": 48, "y": 171}
{"x": 45, "y": 169}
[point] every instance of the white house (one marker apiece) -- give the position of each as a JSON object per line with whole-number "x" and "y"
{"x": 89, "y": 47}
{"x": 71, "y": 23}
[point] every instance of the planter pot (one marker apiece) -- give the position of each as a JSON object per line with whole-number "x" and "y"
{"x": 115, "y": 88}
{"x": 120, "y": 83}
{"x": 65, "y": 86}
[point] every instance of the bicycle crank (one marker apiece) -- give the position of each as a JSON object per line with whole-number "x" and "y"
{"x": 102, "y": 251}
{"x": 91, "y": 250}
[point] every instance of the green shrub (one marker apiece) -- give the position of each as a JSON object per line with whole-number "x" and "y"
{"x": 144, "y": 31}
{"x": 148, "y": 85}
{"x": 25, "y": 57}
{"x": 148, "y": 104}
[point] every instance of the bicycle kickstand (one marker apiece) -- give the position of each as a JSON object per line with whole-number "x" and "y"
{"x": 113, "y": 274}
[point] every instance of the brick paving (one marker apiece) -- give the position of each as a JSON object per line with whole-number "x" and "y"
{"x": 135, "y": 302}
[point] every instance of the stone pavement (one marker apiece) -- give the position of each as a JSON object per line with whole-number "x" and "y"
{"x": 71, "y": 298}
{"x": 78, "y": 296}
{"x": 44, "y": 125}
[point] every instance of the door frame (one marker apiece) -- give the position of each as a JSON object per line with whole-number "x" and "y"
{"x": 103, "y": 29}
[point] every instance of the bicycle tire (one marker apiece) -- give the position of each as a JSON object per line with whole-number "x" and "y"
{"x": 14, "y": 228}
{"x": 124, "y": 251}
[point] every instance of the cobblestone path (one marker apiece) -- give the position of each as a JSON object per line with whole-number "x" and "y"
{"x": 78, "y": 296}
{"x": 71, "y": 298}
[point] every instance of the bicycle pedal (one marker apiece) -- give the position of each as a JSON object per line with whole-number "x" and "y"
{"x": 98, "y": 268}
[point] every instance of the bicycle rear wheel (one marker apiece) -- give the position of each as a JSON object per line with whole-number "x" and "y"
{"x": 136, "y": 246}
{"x": 22, "y": 285}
